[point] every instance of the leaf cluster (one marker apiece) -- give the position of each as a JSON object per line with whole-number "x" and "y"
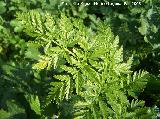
{"x": 87, "y": 65}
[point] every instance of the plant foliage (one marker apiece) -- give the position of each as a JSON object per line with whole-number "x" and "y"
{"x": 59, "y": 60}
{"x": 87, "y": 67}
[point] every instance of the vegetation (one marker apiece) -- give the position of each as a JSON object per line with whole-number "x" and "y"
{"x": 63, "y": 60}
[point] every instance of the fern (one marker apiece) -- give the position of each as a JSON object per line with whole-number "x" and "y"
{"x": 86, "y": 64}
